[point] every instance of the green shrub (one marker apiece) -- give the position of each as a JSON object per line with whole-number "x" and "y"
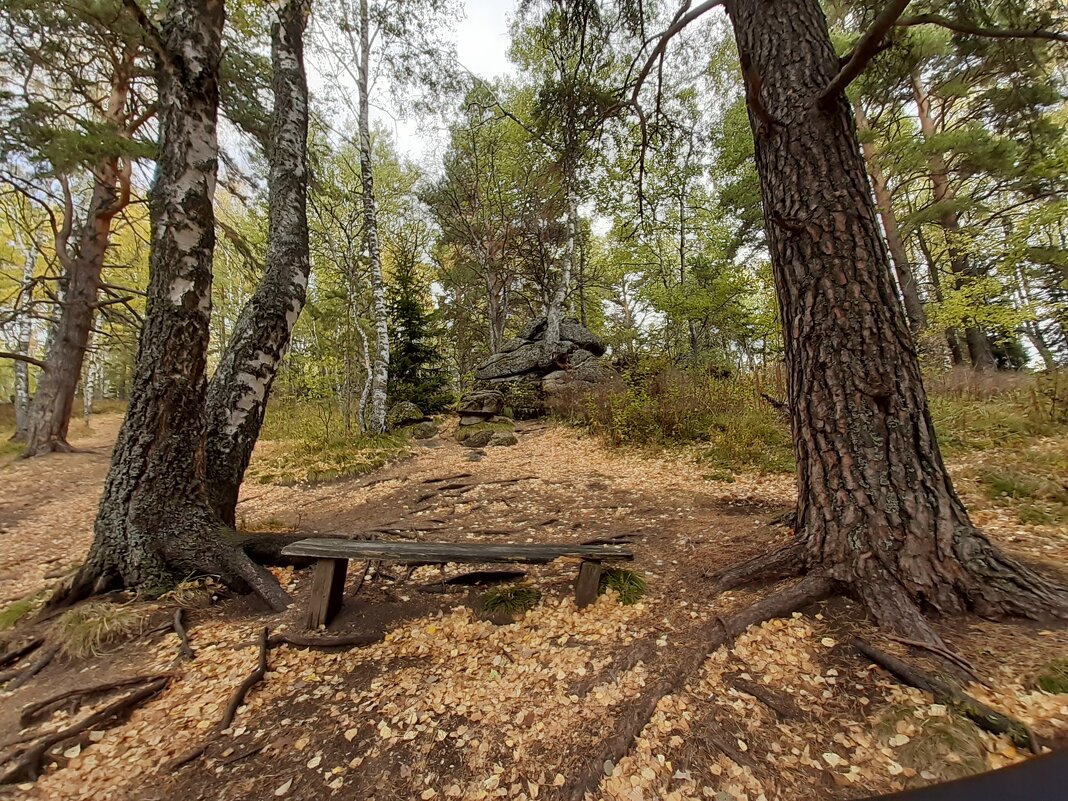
{"x": 628, "y": 585}
{"x": 509, "y": 599}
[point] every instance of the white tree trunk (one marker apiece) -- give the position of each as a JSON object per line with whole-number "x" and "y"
{"x": 365, "y": 393}
{"x": 237, "y": 396}
{"x": 25, "y": 332}
{"x": 556, "y": 305}
{"x": 380, "y": 371}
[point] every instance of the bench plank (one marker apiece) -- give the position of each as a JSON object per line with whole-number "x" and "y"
{"x": 432, "y": 552}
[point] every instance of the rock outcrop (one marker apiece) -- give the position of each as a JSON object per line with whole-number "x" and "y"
{"x": 527, "y": 372}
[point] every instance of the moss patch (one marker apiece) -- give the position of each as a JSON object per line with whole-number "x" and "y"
{"x": 15, "y": 611}
{"x": 464, "y": 433}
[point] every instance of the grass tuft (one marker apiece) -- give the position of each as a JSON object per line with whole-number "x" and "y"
{"x": 944, "y": 748}
{"x": 192, "y": 594}
{"x": 628, "y": 585}
{"x": 509, "y": 599}
{"x": 1053, "y": 677}
{"x": 89, "y": 629}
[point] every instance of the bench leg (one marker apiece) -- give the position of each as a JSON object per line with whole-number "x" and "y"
{"x": 589, "y": 579}
{"x": 328, "y": 588}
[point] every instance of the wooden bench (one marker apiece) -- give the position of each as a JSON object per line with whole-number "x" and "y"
{"x": 333, "y": 555}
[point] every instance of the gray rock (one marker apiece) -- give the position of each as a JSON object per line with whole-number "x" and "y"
{"x": 476, "y": 456}
{"x": 479, "y": 439}
{"x": 574, "y": 331}
{"x": 504, "y": 438}
{"x": 424, "y": 430}
{"x": 483, "y": 403}
{"x": 472, "y": 419}
{"x": 530, "y": 358}
{"x": 580, "y": 356}
{"x": 403, "y": 413}
{"x": 513, "y": 344}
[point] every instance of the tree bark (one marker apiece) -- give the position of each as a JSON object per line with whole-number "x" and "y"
{"x": 876, "y": 511}
{"x": 155, "y": 524}
{"x": 555, "y": 312}
{"x": 906, "y": 278}
{"x": 239, "y": 389}
{"x": 25, "y": 332}
{"x": 979, "y": 349}
{"x": 380, "y": 374}
{"x": 48, "y": 419}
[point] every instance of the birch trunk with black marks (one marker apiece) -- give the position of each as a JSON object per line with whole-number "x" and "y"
{"x": 25, "y": 333}
{"x": 877, "y": 512}
{"x": 555, "y": 314}
{"x": 155, "y": 524}
{"x": 241, "y": 385}
{"x": 380, "y": 372}
{"x": 979, "y": 349}
{"x": 906, "y": 278}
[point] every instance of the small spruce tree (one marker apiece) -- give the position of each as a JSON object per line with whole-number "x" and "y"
{"x": 418, "y": 372}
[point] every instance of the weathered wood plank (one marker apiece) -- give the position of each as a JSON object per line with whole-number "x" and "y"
{"x": 409, "y": 552}
{"x": 589, "y": 580}
{"x": 328, "y": 589}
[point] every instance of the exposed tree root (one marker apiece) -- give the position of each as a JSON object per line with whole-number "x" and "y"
{"x": 959, "y": 701}
{"x": 720, "y": 632}
{"x": 238, "y": 698}
{"x": 31, "y": 711}
{"x": 955, "y": 659}
{"x": 19, "y": 651}
{"x": 301, "y": 641}
{"x": 185, "y": 650}
{"x": 783, "y": 707}
{"x": 782, "y": 563}
{"x": 26, "y": 763}
{"x": 22, "y": 676}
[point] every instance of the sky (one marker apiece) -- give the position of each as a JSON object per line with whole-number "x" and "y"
{"x": 481, "y": 39}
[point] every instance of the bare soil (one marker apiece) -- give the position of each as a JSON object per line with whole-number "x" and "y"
{"x": 453, "y": 706}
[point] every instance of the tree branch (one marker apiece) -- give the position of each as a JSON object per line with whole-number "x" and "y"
{"x": 975, "y": 30}
{"x": 866, "y": 49}
{"x": 19, "y": 357}
{"x": 152, "y": 33}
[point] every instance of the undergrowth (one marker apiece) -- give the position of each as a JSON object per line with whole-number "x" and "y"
{"x": 1053, "y": 677}
{"x": 729, "y": 423}
{"x": 302, "y": 442}
{"x": 509, "y": 599}
{"x": 628, "y": 585}
{"x": 15, "y": 611}
{"x": 89, "y": 629}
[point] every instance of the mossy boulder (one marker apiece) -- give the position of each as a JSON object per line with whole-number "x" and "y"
{"x": 403, "y": 413}
{"x": 424, "y": 430}
{"x": 504, "y": 438}
{"x": 480, "y": 434}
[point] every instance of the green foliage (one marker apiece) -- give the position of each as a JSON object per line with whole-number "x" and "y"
{"x": 15, "y": 611}
{"x": 1031, "y": 482}
{"x": 308, "y": 442}
{"x": 628, "y": 585}
{"x": 509, "y": 599}
{"x": 724, "y": 416}
{"x": 1053, "y": 677}
{"x": 416, "y": 370}
{"x": 464, "y": 433}
{"x": 88, "y": 629}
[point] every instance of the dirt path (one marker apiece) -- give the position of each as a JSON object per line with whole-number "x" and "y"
{"x": 450, "y": 706}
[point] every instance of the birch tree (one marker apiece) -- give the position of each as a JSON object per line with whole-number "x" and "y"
{"x": 239, "y": 389}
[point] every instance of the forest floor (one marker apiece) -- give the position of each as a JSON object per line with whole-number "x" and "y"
{"x": 449, "y": 705}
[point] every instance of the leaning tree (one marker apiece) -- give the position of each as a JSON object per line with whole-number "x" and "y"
{"x": 156, "y": 521}
{"x": 877, "y": 515}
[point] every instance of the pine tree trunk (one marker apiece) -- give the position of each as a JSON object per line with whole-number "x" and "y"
{"x": 876, "y": 511}
{"x": 979, "y": 349}
{"x": 155, "y": 524}
{"x": 906, "y": 278}
{"x": 48, "y": 419}
{"x": 238, "y": 392}
{"x": 380, "y": 374}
